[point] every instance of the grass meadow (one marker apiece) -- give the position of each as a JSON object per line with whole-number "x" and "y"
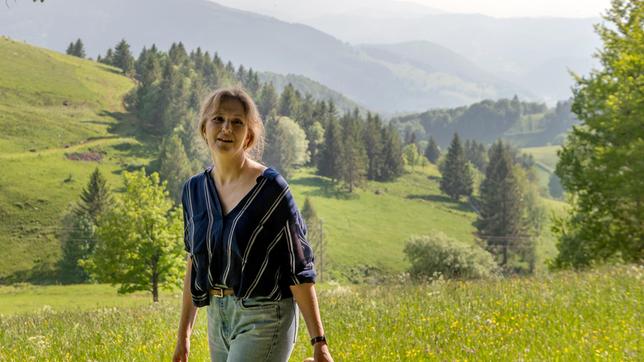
{"x": 565, "y": 316}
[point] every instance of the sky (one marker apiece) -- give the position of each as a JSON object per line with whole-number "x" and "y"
{"x": 522, "y": 8}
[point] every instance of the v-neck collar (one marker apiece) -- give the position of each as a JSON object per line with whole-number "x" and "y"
{"x": 218, "y": 206}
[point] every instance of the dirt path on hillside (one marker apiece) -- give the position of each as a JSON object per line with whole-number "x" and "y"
{"x": 110, "y": 140}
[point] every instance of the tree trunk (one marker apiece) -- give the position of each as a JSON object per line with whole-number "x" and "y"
{"x": 155, "y": 278}
{"x": 155, "y": 288}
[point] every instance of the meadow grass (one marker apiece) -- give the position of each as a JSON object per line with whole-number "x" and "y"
{"x": 546, "y": 155}
{"x": 564, "y": 316}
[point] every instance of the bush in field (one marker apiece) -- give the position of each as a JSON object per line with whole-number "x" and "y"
{"x": 451, "y": 258}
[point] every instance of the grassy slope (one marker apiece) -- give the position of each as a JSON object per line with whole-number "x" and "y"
{"x": 365, "y": 229}
{"x": 35, "y": 128}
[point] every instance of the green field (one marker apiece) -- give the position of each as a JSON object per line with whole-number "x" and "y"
{"x": 564, "y": 316}
{"x": 546, "y": 156}
{"x": 53, "y": 105}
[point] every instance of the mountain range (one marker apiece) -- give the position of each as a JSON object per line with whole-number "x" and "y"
{"x": 385, "y": 76}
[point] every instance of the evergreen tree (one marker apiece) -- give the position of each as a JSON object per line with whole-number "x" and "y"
{"x": 177, "y": 54}
{"x": 392, "y": 155}
{"x": 109, "y": 57}
{"x": 267, "y": 99}
{"x": 355, "y": 157}
{"x": 78, "y": 244}
{"x": 289, "y": 102}
{"x": 76, "y": 49}
{"x": 503, "y": 222}
{"x": 70, "y": 49}
{"x": 174, "y": 97}
{"x": 175, "y": 168}
{"x": 95, "y": 197}
{"x": 123, "y": 58}
{"x": 373, "y": 146}
{"x": 331, "y": 163}
{"x": 79, "y": 49}
{"x": 432, "y": 152}
{"x": 476, "y": 154}
{"x": 456, "y": 179}
{"x": 602, "y": 162}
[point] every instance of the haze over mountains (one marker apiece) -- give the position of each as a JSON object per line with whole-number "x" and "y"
{"x": 423, "y": 59}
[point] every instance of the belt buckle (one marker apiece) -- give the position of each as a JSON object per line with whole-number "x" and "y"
{"x": 218, "y": 292}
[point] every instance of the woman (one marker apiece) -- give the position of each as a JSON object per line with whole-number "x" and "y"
{"x": 248, "y": 260}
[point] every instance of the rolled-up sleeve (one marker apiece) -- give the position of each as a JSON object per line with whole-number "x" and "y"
{"x": 299, "y": 253}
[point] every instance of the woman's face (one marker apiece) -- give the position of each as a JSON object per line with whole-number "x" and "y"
{"x": 227, "y": 130}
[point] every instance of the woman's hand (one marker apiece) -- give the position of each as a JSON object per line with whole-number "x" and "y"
{"x": 182, "y": 350}
{"x": 321, "y": 353}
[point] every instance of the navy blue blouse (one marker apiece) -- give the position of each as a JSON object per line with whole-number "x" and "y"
{"x": 259, "y": 248}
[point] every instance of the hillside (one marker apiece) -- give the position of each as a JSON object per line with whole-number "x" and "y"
{"x": 308, "y": 86}
{"x": 52, "y": 105}
{"x": 524, "y": 124}
{"x": 75, "y": 110}
{"x": 261, "y": 42}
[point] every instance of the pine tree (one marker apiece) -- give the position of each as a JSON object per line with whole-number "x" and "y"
{"x": 355, "y": 157}
{"x": 267, "y": 99}
{"x": 373, "y": 146}
{"x": 123, "y": 58}
{"x": 476, "y": 154}
{"x": 79, "y": 49}
{"x": 78, "y": 244}
{"x": 109, "y": 57}
{"x": 456, "y": 179}
{"x": 503, "y": 222}
{"x": 70, "y": 49}
{"x": 177, "y": 54}
{"x": 289, "y": 103}
{"x": 393, "y": 164}
{"x": 95, "y": 197}
{"x": 175, "y": 168}
{"x": 432, "y": 152}
{"x": 331, "y": 163}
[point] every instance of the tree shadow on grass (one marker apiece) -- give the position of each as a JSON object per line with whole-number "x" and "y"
{"x": 460, "y": 206}
{"x": 323, "y": 187}
{"x": 128, "y": 125}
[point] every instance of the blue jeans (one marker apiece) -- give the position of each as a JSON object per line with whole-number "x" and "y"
{"x": 255, "y": 329}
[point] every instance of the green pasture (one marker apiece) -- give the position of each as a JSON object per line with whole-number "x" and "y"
{"x": 53, "y": 105}
{"x": 564, "y": 316}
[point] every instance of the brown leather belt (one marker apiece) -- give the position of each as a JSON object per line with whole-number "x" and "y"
{"x": 221, "y": 292}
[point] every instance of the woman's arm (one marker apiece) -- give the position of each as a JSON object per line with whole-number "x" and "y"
{"x": 307, "y": 301}
{"x": 187, "y": 321}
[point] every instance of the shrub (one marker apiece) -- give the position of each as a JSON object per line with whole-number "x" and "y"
{"x": 439, "y": 254}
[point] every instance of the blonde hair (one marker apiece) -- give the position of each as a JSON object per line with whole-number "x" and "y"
{"x": 255, "y": 146}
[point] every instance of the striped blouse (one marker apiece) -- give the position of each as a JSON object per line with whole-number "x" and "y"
{"x": 259, "y": 248}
